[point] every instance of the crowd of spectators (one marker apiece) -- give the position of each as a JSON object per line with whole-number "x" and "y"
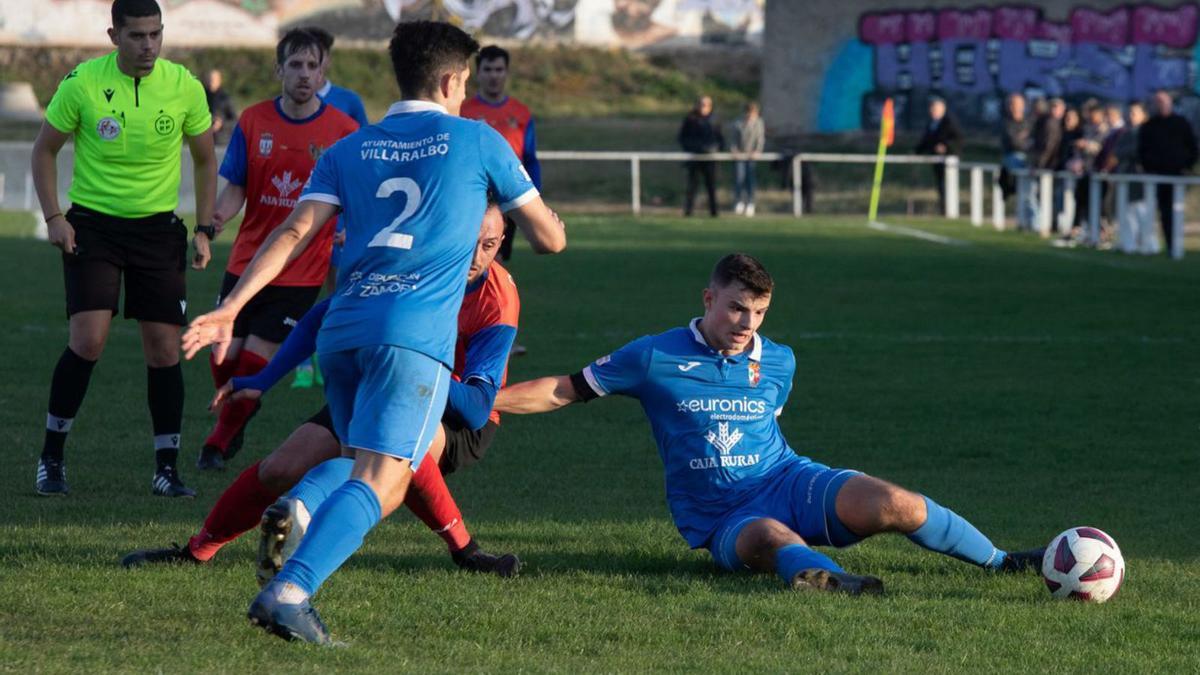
{"x": 1090, "y": 140}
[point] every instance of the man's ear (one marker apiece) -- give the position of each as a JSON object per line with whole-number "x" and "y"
{"x": 112, "y": 35}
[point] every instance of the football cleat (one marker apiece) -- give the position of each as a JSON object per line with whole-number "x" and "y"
{"x": 283, "y": 526}
{"x": 836, "y": 582}
{"x": 303, "y": 378}
{"x": 1018, "y": 562}
{"x": 235, "y": 443}
{"x": 289, "y": 621}
{"x": 51, "y": 478}
{"x": 478, "y": 560}
{"x": 174, "y": 554}
{"x": 167, "y": 484}
{"x": 211, "y": 459}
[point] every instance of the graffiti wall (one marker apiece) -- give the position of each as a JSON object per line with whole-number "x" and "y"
{"x": 627, "y": 23}
{"x": 973, "y": 57}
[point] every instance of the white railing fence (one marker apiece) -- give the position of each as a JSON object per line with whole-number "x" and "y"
{"x": 17, "y": 191}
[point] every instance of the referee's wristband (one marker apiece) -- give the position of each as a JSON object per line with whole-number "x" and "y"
{"x": 52, "y": 216}
{"x": 209, "y": 231}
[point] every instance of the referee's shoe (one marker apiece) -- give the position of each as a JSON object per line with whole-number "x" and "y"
{"x": 167, "y": 483}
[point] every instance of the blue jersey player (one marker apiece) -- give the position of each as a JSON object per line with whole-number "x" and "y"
{"x": 411, "y": 191}
{"x": 712, "y": 391}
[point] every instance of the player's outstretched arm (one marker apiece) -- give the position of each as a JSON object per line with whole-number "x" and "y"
{"x": 542, "y": 227}
{"x": 285, "y": 243}
{"x": 537, "y": 396}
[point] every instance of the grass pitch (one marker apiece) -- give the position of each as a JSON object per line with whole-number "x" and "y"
{"x": 1028, "y": 388}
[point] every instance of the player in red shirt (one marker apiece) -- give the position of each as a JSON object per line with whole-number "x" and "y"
{"x": 487, "y": 323}
{"x": 270, "y": 156}
{"x": 507, "y": 115}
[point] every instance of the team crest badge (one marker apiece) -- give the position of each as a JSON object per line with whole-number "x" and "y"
{"x": 755, "y": 373}
{"x": 265, "y": 143}
{"x": 108, "y": 128}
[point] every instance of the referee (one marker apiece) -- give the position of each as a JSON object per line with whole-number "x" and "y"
{"x": 128, "y": 112}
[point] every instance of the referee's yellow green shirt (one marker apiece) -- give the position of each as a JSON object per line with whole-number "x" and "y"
{"x": 128, "y": 132}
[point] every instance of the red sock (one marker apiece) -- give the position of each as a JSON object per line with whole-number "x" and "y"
{"x": 221, "y": 372}
{"x": 429, "y": 499}
{"x": 238, "y": 509}
{"x": 235, "y": 413}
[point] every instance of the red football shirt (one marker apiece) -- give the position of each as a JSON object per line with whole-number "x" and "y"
{"x": 271, "y": 155}
{"x": 511, "y": 118}
{"x": 488, "y": 313}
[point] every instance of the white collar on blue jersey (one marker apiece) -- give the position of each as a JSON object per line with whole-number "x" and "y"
{"x": 755, "y": 351}
{"x": 325, "y": 89}
{"x": 413, "y": 106}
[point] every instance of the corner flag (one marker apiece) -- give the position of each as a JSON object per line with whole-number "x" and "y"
{"x": 887, "y": 136}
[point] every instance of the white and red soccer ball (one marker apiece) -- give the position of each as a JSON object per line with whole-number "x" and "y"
{"x": 1083, "y": 563}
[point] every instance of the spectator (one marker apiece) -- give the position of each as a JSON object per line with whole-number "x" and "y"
{"x": 1016, "y": 139}
{"x": 220, "y": 104}
{"x": 1137, "y": 223}
{"x": 1106, "y": 162}
{"x": 1070, "y": 161}
{"x": 749, "y": 138}
{"x": 1047, "y": 137}
{"x": 942, "y": 138}
{"x": 1095, "y": 128}
{"x": 701, "y": 133}
{"x": 1166, "y": 146}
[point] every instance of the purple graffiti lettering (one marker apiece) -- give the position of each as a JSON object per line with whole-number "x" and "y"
{"x": 1110, "y": 30}
{"x": 978, "y": 55}
{"x": 1015, "y": 23}
{"x": 972, "y": 24}
{"x": 881, "y": 28}
{"x": 921, "y": 26}
{"x": 1174, "y": 28}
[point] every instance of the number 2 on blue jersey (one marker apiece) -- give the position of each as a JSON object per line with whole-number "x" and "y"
{"x": 389, "y": 236}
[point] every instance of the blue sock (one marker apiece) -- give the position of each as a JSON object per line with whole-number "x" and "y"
{"x": 795, "y": 557}
{"x": 321, "y": 481}
{"x": 947, "y": 532}
{"x": 336, "y": 531}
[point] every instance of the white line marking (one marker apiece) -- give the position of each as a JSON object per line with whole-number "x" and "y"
{"x": 915, "y": 233}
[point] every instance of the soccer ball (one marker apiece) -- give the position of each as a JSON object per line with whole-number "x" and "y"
{"x": 1083, "y": 563}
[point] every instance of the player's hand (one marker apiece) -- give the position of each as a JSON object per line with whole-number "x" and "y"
{"x": 226, "y": 394}
{"x": 218, "y": 221}
{"x": 60, "y": 233}
{"x": 214, "y": 328}
{"x": 203, "y": 251}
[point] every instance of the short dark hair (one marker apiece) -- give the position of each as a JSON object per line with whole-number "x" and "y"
{"x": 323, "y": 35}
{"x": 133, "y": 9}
{"x": 491, "y": 52}
{"x": 422, "y": 50}
{"x": 295, "y": 40}
{"x": 744, "y": 269}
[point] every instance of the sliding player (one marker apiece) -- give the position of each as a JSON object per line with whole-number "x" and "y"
{"x": 412, "y": 191}
{"x": 487, "y": 324}
{"x": 272, "y": 152}
{"x": 712, "y": 391}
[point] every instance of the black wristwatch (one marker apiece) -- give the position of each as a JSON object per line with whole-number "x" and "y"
{"x": 209, "y": 231}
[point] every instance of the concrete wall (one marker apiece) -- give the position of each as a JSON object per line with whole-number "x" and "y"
{"x": 827, "y": 66}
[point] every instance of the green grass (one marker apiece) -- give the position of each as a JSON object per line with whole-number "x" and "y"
{"x": 1028, "y": 388}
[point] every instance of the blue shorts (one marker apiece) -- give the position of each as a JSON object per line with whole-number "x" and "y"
{"x": 802, "y": 498}
{"x": 385, "y": 399}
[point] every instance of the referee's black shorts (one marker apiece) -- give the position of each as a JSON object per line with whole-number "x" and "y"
{"x": 464, "y": 447}
{"x": 273, "y": 312}
{"x": 150, "y": 253}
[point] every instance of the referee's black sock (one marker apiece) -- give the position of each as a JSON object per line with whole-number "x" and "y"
{"x": 67, "y": 388}
{"x": 164, "y": 390}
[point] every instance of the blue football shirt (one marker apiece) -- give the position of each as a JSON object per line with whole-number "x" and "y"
{"x": 345, "y": 100}
{"x": 412, "y": 190}
{"x": 713, "y": 418}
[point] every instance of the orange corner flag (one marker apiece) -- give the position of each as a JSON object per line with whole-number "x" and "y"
{"x": 888, "y": 131}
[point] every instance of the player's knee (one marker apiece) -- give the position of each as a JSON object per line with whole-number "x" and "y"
{"x": 87, "y": 347}
{"x": 899, "y": 509}
{"x": 758, "y": 541}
